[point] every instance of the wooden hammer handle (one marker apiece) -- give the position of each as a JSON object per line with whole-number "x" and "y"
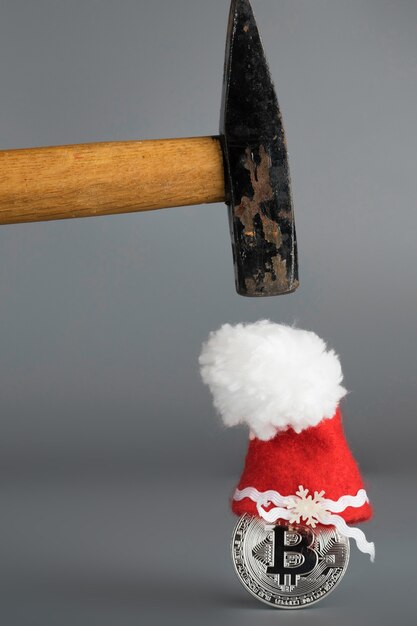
{"x": 84, "y": 180}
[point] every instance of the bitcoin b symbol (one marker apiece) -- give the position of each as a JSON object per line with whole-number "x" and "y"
{"x": 292, "y": 554}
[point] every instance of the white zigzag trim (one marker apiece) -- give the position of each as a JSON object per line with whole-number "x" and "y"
{"x": 312, "y": 509}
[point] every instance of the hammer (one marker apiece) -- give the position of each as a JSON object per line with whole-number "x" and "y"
{"x": 246, "y": 166}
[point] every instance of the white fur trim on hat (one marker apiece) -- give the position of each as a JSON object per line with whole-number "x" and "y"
{"x": 271, "y": 377}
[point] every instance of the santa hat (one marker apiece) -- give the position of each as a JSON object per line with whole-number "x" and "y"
{"x": 285, "y": 385}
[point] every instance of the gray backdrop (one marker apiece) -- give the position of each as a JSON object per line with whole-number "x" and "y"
{"x": 115, "y": 470}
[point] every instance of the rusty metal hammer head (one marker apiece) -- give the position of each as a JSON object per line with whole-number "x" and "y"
{"x": 256, "y": 165}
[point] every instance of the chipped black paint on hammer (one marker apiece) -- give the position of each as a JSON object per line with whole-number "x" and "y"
{"x": 256, "y": 164}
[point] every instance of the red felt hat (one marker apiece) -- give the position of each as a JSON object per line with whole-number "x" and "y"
{"x": 318, "y": 459}
{"x": 285, "y": 385}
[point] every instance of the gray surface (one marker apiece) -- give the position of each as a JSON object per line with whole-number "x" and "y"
{"x": 120, "y": 548}
{"x": 101, "y": 320}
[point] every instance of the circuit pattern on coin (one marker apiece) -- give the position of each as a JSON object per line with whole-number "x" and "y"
{"x": 285, "y": 565}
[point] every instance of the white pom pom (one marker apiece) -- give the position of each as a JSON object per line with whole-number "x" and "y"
{"x": 271, "y": 377}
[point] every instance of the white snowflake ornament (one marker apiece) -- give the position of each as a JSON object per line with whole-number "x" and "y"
{"x": 305, "y": 507}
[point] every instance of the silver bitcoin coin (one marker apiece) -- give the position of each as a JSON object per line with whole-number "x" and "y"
{"x": 288, "y": 566}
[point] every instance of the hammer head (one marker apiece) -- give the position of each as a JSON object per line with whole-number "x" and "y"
{"x": 256, "y": 165}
